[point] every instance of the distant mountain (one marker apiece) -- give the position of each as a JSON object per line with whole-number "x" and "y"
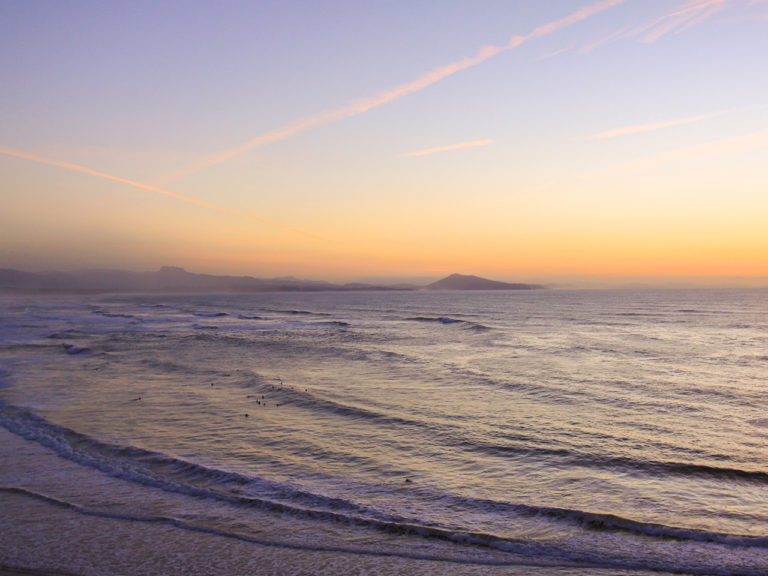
{"x": 463, "y": 282}
{"x": 178, "y": 280}
{"x": 167, "y": 279}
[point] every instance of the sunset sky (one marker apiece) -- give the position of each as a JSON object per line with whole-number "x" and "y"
{"x": 556, "y": 140}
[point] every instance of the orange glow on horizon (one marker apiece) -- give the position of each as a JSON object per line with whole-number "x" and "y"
{"x": 569, "y": 174}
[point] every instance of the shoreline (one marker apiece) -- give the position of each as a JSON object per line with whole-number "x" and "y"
{"x": 104, "y": 546}
{"x": 43, "y": 539}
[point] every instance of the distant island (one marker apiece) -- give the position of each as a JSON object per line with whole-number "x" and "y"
{"x": 178, "y": 280}
{"x": 462, "y": 282}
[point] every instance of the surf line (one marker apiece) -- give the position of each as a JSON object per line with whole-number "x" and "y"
{"x": 84, "y": 170}
{"x": 188, "y": 526}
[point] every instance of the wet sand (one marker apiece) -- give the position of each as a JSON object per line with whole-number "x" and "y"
{"x": 39, "y": 539}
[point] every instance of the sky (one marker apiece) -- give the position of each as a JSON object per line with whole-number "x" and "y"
{"x": 559, "y": 141}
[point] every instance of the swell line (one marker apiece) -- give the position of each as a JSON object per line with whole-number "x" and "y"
{"x": 575, "y": 458}
{"x": 121, "y": 462}
{"x": 76, "y": 447}
{"x": 449, "y": 320}
{"x": 611, "y": 522}
{"x": 15, "y": 569}
{"x": 136, "y": 465}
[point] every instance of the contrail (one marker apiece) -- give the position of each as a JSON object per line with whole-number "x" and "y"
{"x": 627, "y": 130}
{"x": 450, "y": 147}
{"x": 685, "y": 16}
{"x": 149, "y": 187}
{"x": 692, "y": 13}
{"x": 729, "y": 146}
{"x": 359, "y": 106}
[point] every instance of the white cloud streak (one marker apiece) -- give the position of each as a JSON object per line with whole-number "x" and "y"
{"x": 638, "y": 128}
{"x": 685, "y": 16}
{"x": 688, "y": 15}
{"x": 619, "y": 34}
{"x": 450, "y": 147}
{"x": 727, "y": 147}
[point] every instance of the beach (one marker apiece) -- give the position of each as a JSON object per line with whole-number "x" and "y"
{"x": 101, "y": 547}
{"x": 46, "y": 538}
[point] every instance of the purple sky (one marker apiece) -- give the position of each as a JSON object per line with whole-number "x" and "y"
{"x": 515, "y": 139}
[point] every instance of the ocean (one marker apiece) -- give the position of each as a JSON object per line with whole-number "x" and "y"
{"x": 527, "y": 432}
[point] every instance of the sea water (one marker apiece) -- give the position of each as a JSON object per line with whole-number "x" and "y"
{"x": 615, "y": 430}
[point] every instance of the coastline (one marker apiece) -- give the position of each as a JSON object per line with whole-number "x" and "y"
{"x": 41, "y": 538}
{"x": 521, "y": 421}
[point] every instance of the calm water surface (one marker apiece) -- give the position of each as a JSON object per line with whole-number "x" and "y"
{"x": 613, "y": 429}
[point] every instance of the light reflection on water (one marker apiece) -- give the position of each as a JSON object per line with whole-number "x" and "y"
{"x": 592, "y": 421}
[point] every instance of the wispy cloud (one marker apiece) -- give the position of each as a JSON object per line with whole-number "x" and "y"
{"x": 619, "y": 34}
{"x": 450, "y": 147}
{"x": 554, "y": 53}
{"x": 359, "y": 106}
{"x": 570, "y": 20}
{"x": 84, "y": 170}
{"x": 686, "y": 16}
{"x": 727, "y": 147}
{"x": 638, "y": 128}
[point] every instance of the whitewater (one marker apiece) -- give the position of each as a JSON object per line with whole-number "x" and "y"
{"x": 541, "y": 432}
